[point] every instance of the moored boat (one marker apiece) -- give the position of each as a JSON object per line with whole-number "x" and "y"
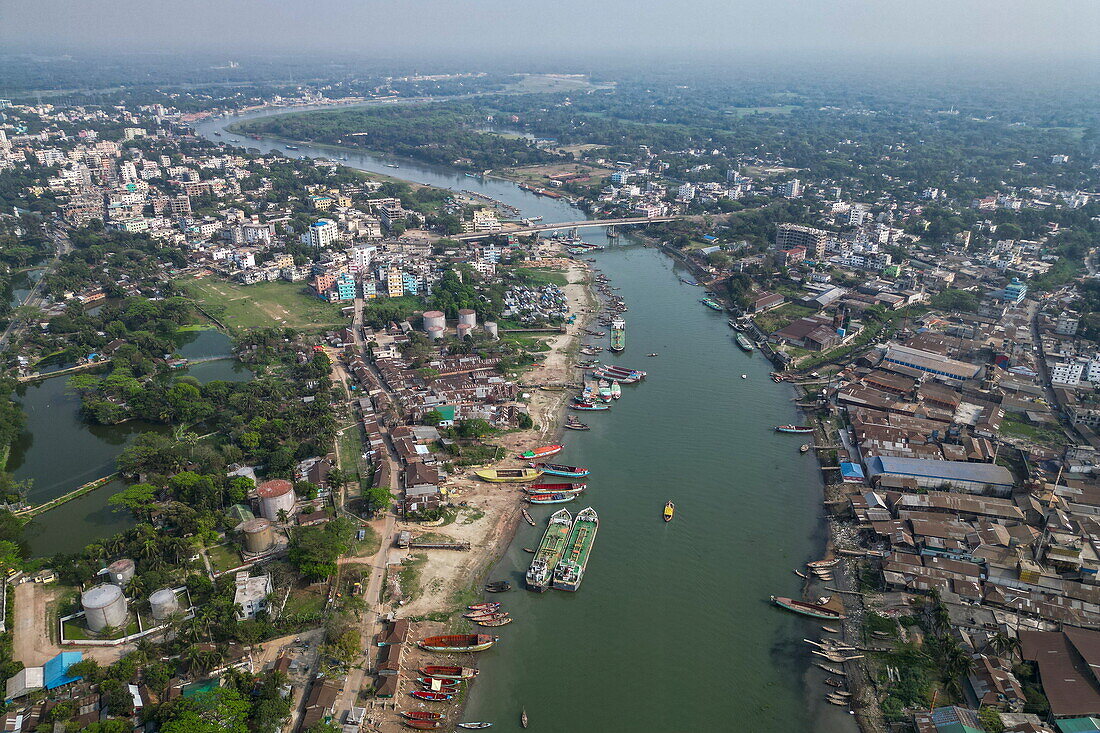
{"x": 507, "y": 475}
{"x": 438, "y": 685}
{"x": 494, "y": 622}
{"x": 487, "y": 606}
{"x": 711, "y": 303}
{"x": 804, "y": 448}
{"x": 445, "y": 672}
{"x": 576, "y": 425}
{"x": 551, "y": 498}
{"x": 555, "y": 488}
{"x": 550, "y": 551}
{"x": 814, "y": 610}
{"x": 589, "y": 406}
{"x": 425, "y": 724}
{"x": 432, "y": 696}
{"x": 421, "y": 715}
{"x": 475, "y": 726}
{"x": 616, "y": 390}
{"x": 618, "y": 335}
{"x": 457, "y": 643}
{"x": 793, "y": 429}
{"x": 556, "y": 469}
{"x": 499, "y": 586}
{"x": 743, "y": 343}
{"x": 570, "y": 571}
{"x": 544, "y": 452}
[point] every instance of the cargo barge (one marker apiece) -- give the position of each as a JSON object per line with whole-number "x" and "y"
{"x": 550, "y": 551}
{"x": 618, "y": 335}
{"x": 570, "y": 571}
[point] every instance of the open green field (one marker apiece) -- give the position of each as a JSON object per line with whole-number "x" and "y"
{"x": 263, "y": 305}
{"x": 744, "y": 111}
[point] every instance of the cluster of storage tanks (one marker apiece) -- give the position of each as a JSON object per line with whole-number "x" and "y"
{"x": 276, "y": 495}
{"x": 435, "y": 324}
{"x": 105, "y": 605}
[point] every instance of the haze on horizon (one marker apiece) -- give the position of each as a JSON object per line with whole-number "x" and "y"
{"x": 425, "y": 29}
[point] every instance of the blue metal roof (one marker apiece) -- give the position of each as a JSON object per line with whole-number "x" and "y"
{"x": 56, "y": 670}
{"x": 851, "y": 470}
{"x": 982, "y": 473}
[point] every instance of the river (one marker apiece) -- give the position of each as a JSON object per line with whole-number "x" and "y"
{"x": 672, "y": 629}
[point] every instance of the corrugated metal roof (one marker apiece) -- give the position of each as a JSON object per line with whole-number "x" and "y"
{"x": 986, "y": 473}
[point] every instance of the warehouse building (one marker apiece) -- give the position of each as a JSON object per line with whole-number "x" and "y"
{"x": 974, "y": 478}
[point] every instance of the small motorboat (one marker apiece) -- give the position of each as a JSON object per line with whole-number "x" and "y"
{"x": 487, "y": 606}
{"x": 744, "y": 376}
{"x": 474, "y": 726}
{"x": 432, "y": 696}
{"x": 654, "y": 354}
{"x": 670, "y": 509}
{"x": 421, "y": 715}
{"x": 523, "y": 718}
{"x": 805, "y": 447}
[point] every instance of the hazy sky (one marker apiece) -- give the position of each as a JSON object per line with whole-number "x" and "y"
{"x": 559, "y": 28}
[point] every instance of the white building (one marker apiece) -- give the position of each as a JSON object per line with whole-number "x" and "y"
{"x": 251, "y": 594}
{"x": 360, "y": 258}
{"x": 322, "y": 233}
{"x": 1067, "y": 373}
{"x": 1066, "y": 325}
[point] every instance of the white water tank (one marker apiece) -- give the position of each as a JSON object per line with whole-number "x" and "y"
{"x": 163, "y": 604}
{"x": 467, "y": 317}
{"x": 434, "y": 318}
{"x": 435, "y": 332}
{"x": 121, "y": 571}
{"x": 259, "y": 535}
{"x": 104, "y": 606}
{"x": 463, "y": 330}
{"x": 276, "y": 495}
{"x": 491, "y": 329}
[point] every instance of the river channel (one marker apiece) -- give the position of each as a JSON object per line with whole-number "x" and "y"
{"x": 672, "y": 629}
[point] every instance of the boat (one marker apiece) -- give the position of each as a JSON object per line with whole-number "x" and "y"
{"x": 654, "y": 354}
{"x": 457, "y": 643}
{"x": 804, "y": 448}
{"x": 711, "y": 303}
{"x": 670, "y": 509}
{"x": 474, "y": 726}
{"x": 392, "y": 165}
{"x": 800, "y": 574}
{"x": 556, "y": 469}
{"x": 618, "y": 335}
{"x": 836, "y": 700}
{"x": 507, "y": 475}
{"x": 830, "y": 630}
{"x": 616, "y": 391}
{"x": 494, "y": 622}
{"x": 555, "y": 488}
{"x": 444, "y": 672}
{"x": 831, "y": 670}
{"x": 833, "y": 682}
{"x": 432, "y": 696}
{"x": 529, "y": 550}
{"x": 438, "y": 685}
{"x": 743, "y": 343}
{"x": 425, "y": 724}
{"x": 544, "y": 452}
{"x": 550, "y": 551}
{"x": 491, "y": 612}
{"x": 793, "y": 429}
{"x": 291, "y": 147}
{"x": 814, "y": 610}
{"x": 488, "y": 606}
{"x": 588, "y": 406}
{"x": 744, "y": 376}
{"x": 421, "y": 715}
{"x": 527, "y": 517}
{"x": 570, "y": 571}
{"x": 499, "y": 586}
{"x": 551, "y": 498}
{"x": 829, "y": 563}
{"x": 523, "y": 718}
{"x": 576, "y": 425}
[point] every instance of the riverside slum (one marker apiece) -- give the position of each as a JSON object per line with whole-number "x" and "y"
{"x": 967, "y": 491}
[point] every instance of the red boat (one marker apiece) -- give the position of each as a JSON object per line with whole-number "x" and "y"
{"x": 544, "y": 452}
{"x": 433, "y": 696}
{"x": 554, "y": 489}
{"x": 443, "y": 672}
{"x": 422, "y": 715}
{"x": 484, "y": 606}
{"x": 424, "y": 724}
{"x": 474, "y": 615}
{"x": 445, "y": 686}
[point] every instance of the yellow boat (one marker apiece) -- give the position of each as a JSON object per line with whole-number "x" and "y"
{"x": 670, "y": 508}
{"x": 507, "y": 475}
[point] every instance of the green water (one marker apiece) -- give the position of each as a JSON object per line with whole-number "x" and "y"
{"x": 671, "y": 629}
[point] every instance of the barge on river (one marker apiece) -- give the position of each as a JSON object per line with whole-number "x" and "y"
{"x": 570, "y": 571}
{"x": 829, "y": 610}
{"x": 618, "y": 335}
{"x": 550, "y": 551}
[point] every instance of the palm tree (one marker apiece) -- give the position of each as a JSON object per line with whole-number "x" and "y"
{"x": 1002, "y": 643}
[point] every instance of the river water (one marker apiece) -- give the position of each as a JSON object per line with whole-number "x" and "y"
{"x": 672, "y": 629}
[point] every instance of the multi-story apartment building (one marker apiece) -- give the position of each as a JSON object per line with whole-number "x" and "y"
{"x": 789, "y": 236}
{"x": 321, "y": 234}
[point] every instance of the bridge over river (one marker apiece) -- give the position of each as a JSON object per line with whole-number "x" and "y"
{"x": 572, "y": 225}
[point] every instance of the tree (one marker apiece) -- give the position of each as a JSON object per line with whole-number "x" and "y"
{"x": 473, "y": 429}
{"x": 991, "y": 720}
{"x": 313, "y": 550}
{"x": 138, "y": 498}
{"x": 433, "y": 417}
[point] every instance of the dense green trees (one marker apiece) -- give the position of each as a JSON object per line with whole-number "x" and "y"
{"x": 314, "y": 550}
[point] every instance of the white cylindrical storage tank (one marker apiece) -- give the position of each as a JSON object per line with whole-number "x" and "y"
{"x": 259, "y": 535}
{"x": 121, "y": 571}
{"x": 467, "y": 317}
{"x": 163, "y": 604}
{"x": 275, "y": 495}
{"x": 491, "y": 329}
{"x": 464, "y": 330}
{"x": 434, "y": 318}
{"x": 104, "y": 606}
{"x": 435, "y": 332}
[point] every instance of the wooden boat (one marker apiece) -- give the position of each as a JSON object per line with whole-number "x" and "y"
{"x": 498, "y": 588}
{"x": 544, "y": 452}
{"x": 523, "y": 718}
{"x": 494, "y": 622}
{"x": 830, "y": 630}
{"x": 530, "y": 550}
{"x": 804, "y": 448}
{"x": 457, "y": 643}
{"x": 424, "y": 724}
{"x": 670, "y": 509}
{"x": 507, "y": 475}
{"x": 562, "y": 498}
{"x": 800, "y": 574}
{"x": 589, "y": 406}
{"x": 555, "y": 488}
{"x": 431, "y": 696}
{"x": 793, "y": 429}
{"x": 831, "y": 670}
{"x": 833, "y": 682}
{"x": 836, "y": 700}
{"x": 527, "y": 518}
{"x": 576, "y": 426}
{"x": 842, "y": 693}
{"x": 556, "y": 469}
{"x": 487, "y": 606}
{"x": 438, "y": 685}
{"x": 830, "y": 563}
{"x": 474, "y": 726}
{"x": 489, "y": 613}
{"x": 444, "y": 672}
{"x": 421, "y": 715}
{"x": 814, "y": 610}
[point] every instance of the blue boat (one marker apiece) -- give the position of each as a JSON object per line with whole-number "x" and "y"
{"x": 556, "y": 469}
